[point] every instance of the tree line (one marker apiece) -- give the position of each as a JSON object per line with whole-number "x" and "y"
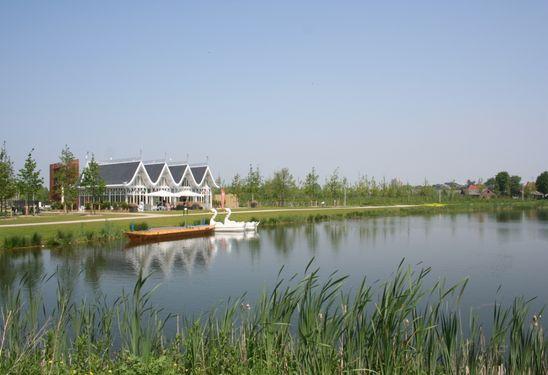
{"x": 28, "y": 185}
{"x": 282, "y": 188}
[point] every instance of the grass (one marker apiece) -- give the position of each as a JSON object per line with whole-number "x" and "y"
{"x": 300, "y": 326}
{"x": 86, "y": 232}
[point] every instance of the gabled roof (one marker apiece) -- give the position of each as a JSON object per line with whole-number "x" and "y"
{"x": 198, "y": 173}
{"x": 154, "y": 170}
{"x": 177, "y": 171}
{"x": 118, "y": 173}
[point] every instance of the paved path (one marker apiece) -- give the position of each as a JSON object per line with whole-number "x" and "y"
{"x": 156, "y": 216}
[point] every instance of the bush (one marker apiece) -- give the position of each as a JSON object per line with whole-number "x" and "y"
{"x": 124, "y": 205}
{"x": 139, "y": 226}
{"x": 56, "y": 206}
{"x": 253, "y": 204}
{"x": 133, "y": 207}
{"x": 196, "y": 206}
{"x": 36, "y": 239}
{"x": 15, "y": 241}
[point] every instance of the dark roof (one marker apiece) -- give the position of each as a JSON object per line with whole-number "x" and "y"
{"x": 198, "y": 173}
{"x": 177, "y": 172}
{"x": 154, "y": 170}
{"x": 118, "y": 173}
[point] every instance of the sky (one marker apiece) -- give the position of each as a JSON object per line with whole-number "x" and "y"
{"x": 415, "y": 90}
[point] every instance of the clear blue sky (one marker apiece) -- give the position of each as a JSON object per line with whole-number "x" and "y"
{"x": 409, "y": 89}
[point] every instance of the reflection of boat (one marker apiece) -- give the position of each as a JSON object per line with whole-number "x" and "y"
{"x": 225, "y": 241}
{"x": 168, "y": 234}
{"x": 230, "y": 225}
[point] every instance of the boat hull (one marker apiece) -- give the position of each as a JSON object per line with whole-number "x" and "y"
{"x": 168, "y": 234}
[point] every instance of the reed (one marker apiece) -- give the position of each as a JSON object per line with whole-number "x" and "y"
{"x": 307, "y": 325}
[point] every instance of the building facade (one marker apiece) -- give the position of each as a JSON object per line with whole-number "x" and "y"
{"x": 155, "y": 183}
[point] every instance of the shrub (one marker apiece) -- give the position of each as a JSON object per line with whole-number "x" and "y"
{"x": 139, "y": 226}
{"x": 196, "y": 206}
{"x": 36, "y": 239}
{"x": 124, "y": 205}
{"x": 253, "y": 204}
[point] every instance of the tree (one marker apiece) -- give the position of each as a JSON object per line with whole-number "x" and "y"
{"x": 542, "y": 182}
{"x": 8, "y": 185}
{"x": 92, "y": 182}
{"x": 236, "y": 187}
{"x": 333, "y": 185}
{"x": 491, "y": 184}
{"x": 311, "y": 186}
{"x": 29, "y": 181}
{"x": 282, "y": 183}
{"x": 253, "y": 181}
{"x": 502, "y": 183}
{"x": 515, "y": 186}
{"x": 67, "y": 178}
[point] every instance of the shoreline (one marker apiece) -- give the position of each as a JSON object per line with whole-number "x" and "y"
{"x": 67, "y": 233}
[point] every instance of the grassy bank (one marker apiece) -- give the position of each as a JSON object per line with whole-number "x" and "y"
{"x": 301, "y": 327}
{"x": 66, "y": 234}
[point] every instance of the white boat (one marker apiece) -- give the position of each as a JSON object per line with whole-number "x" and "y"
{"x": 249, "y": 225}
{"x": 231, "y": 226}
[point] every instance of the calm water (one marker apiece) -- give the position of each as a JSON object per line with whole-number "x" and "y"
{"x": 504, "y": 249}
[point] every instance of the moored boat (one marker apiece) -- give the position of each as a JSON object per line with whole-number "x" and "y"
{"x": 169, "y": 233}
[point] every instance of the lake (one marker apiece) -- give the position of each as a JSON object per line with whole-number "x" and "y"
{"x": 507, "y": 250}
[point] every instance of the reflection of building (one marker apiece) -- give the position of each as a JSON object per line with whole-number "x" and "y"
{"x": 54, "y": 193}
{"x": 136, "y": 181}
{"x": 169, "y": 256}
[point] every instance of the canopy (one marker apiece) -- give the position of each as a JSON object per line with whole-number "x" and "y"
{"x": 161, "y": 193}
{"x": 187, "y": 193}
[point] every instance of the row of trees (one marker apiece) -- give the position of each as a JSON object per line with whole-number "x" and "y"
{"x": 511, "y": 186}
{"x": 27, "y": 184}
{"x": 282, "y": 187}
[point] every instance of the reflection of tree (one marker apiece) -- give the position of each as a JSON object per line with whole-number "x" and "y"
{"x": 25, "y": 266}
{"x": 507, "y": 216}
{"x": 283, "y": 238}
{"x": 335, "y": 233}
{"x": 312, "y": 237}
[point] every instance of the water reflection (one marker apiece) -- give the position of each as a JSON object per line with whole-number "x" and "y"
{"x": 493, "y": 248}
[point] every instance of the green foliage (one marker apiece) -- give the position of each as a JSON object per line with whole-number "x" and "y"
{"x": 311, "y": 187}
{"x": 92, "y": 182}
{"x": 29, "y": 181}
{"x": 515, "y": 186}
{"x": 542, "y": 182}
{"x": 67, "y": 178}
{"x": 282, "y": 185}
{"x": 139, "y": 226}
{"x": 502, "y": 183}
{"x": 8, "y": 184}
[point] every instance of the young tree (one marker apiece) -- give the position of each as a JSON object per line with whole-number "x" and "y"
{"x": 253, "y": 181}
{"x": 67, "y": 178}
{"x": 502, "y": 183}
{"x": 515, "y": 186}
{"x": 282, "y": 183}
{"x": 92, "y": 182}
{"x": 542, "y": 182}
{"x": 29, "y": 181}
{"x": 236, "y": 186}
{"x": 311, "y": 186}
{"x": 8, "y": 185}
{"x": 333, "y": 185}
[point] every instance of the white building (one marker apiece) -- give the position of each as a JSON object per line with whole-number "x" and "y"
{"x": 151, "y": 183}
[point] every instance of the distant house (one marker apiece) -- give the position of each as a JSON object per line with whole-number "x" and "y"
{"x": 487, "y": 194}
{"x": 536, "y": 195}
{"x": 473, "y": 191}
{"x": 479, "y": 192}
